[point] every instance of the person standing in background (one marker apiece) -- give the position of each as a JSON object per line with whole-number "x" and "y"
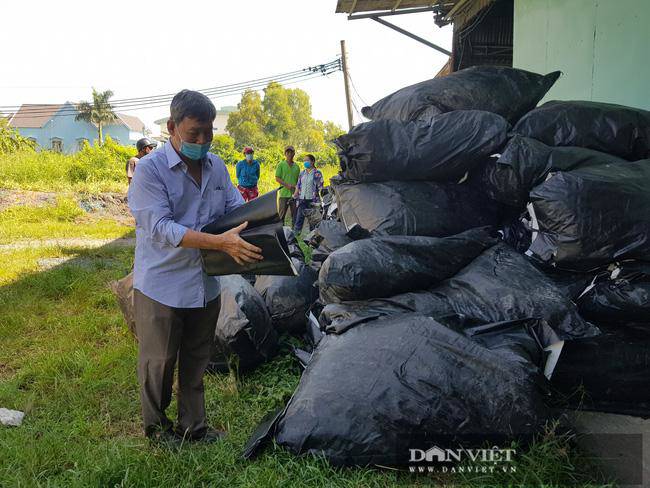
{"x": 310, "y": 183}
{"x": 248, "y": 174}
{"x": 286, "y": 175}
{"x": 144, "y": 147}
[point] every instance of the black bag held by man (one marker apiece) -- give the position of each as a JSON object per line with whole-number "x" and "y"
{"x": 264, "y": 230}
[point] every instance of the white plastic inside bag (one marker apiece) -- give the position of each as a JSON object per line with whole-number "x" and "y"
{"x": 554, "y": 350}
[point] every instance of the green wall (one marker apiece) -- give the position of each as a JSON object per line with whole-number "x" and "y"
{"x": 601, "y": 46}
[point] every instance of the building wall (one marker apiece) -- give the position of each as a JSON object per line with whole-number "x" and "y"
{"x": 220, "y": 122}
{"x": 71, "y": 132}
{"x": 601, "y": 46}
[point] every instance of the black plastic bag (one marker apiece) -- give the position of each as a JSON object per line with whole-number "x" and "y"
{"x": 329, "y": 236}
{"x": 508, "y": 92}
{"x": 338, "y": 317}
{"x": 525, "y": 163}
{"x": 264, "y": 230}
{"x": 414, "y": 208}
{"x": 385, "y": 266}
{"x": 370, "y": 395}
{"x": 621, "y": 296}
{"x": 608, "y": 373}
{"x": 243, "y": 332}
{"x": 572, "y": 284}
{"x": 592, "y": 216}
{"x": 288, "y": 298}
{"x": 517, "y": 234}
{"x": 502, "y": 285}
{"x": 123, "y": 290}
{"x": 442, "y": 150}
{"x": 295, "y": 250}
{"x": 614, "y": 129}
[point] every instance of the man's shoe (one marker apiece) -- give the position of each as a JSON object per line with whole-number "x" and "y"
{"x": 208, "y": 436}
{"x": 212, "y": 435}
{"x": 164, "y": 438}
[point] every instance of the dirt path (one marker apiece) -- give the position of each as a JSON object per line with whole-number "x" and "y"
{"x": 74, "y": 242}
{"x": 102, "y": 205}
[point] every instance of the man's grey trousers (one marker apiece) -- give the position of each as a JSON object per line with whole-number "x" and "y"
{"x": 166, "y": 334}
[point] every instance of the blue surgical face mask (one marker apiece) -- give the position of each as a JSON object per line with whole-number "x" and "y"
{"x": 193, "y": 150}
{"x": 249, "y": 157}
{"x": 307, "y": 164}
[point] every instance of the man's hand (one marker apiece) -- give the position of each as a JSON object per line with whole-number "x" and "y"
{"x": 240, "y": 250}
{"x": 229, "y": 242}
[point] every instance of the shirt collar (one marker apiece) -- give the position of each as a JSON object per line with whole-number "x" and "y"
{"x": 173, "y": 158}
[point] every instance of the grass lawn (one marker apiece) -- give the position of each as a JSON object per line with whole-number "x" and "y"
{"x": 68, "y": 361}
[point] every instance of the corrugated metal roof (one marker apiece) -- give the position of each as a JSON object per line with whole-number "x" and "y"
{"x": 356, "y": 6}
{"x": 457, "y": 11}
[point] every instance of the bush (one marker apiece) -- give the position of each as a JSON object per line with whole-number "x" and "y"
{"x": 12, "y": 141}
{"x": 93, "y": 169}
{"x": 224, "y": 146}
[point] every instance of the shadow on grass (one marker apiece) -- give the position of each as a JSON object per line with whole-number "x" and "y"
{"x": 68, "y": 361}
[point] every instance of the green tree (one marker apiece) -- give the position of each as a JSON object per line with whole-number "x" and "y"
{"x": 280, "y": 121}
{"x": 246, "y": 124}
{"x": 282, "y": 117}
{"x": 99, "y": 112}
{"x": 223, "y": 146}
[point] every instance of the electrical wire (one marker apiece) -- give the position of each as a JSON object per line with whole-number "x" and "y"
{"x": 27, "y": 112}
{"x": 354, "y": 87}
{"x": 213, "y": 93}
{"x": 323, "y": 68}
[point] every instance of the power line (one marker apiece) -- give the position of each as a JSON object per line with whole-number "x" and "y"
{"x": 354, "y": 87}
{"x": 36, "y": 111}
{"x": 214, "y": 92}
{"x": 323, "y": 68}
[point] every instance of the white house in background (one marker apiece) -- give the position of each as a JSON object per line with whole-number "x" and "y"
{"x": 53, "y": 127}
{"x": 220, "y": 122}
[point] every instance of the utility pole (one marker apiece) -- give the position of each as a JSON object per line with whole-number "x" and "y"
{"x": 346, "y": 81}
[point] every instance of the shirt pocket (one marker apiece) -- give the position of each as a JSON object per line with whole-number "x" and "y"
{"x": 216, "y": 196}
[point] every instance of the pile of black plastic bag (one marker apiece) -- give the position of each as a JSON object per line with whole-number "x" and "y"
{"x": 467, "y": 235}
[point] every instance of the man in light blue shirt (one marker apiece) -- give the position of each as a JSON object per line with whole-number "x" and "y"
{"x": 176, "y": 191}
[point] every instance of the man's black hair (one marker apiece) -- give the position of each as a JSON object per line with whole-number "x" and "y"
{"x": 311, "y": 158}
{"x": 192, "y": 104}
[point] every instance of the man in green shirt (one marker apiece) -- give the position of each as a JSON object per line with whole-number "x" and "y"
{"x": 286, "y": 175}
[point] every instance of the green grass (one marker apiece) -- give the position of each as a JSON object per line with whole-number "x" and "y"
{"x": 68, "y": 361}
{"x": 64, "y": 219}
{"x": 93, "y": 170}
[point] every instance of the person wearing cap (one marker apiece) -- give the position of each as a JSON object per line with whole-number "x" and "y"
{"x": 248, "y": 174}
{"x": 144, "y": 147}
{"x": 310, "y": 183}
{"x": 286, "y": 174}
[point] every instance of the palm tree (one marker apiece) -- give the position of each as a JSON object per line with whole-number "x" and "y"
{"x": 99, "y": 112}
